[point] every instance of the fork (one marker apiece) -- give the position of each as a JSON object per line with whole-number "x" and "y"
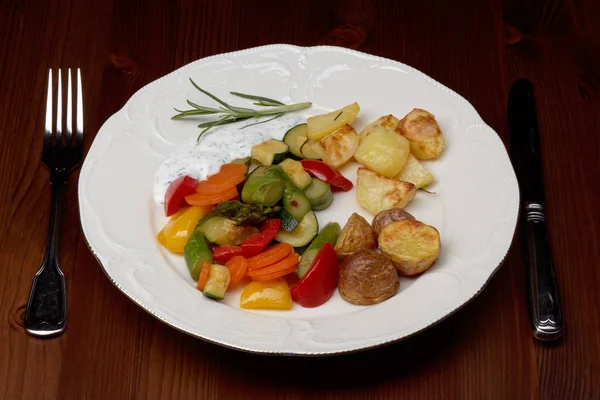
{"x": 46, "y": 313}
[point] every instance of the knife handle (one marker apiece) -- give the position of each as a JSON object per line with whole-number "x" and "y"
{"x": 544, "y": 303}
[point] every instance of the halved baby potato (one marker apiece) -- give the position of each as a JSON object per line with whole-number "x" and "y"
{"x": 413, "y": 246}
{"x": 376, "y": 192}
{"x": 424, "y": 134}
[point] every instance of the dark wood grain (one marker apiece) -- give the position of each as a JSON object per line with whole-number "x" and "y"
{"x": 113, "y": 349}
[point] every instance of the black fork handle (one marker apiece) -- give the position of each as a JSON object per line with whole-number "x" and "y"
{"x": 46, "y": 313}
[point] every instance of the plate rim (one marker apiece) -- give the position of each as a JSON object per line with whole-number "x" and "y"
{"x": 351, "y": 350}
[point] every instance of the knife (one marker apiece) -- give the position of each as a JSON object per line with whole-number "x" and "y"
{"x": 544, "y": 303}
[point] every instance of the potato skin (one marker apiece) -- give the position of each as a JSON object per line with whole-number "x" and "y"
{"x": 367, "y": 277}
{"x": 386, "y": 217}
{"x": 411, "y": 245}
{"x": 357, "y": 234}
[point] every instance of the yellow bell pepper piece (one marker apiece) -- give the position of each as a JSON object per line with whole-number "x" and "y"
{"x": 269, "y": 295}
{"x": 178, "y": 230}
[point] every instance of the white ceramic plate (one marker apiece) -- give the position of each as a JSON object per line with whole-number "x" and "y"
{"x": 475, "y": 208}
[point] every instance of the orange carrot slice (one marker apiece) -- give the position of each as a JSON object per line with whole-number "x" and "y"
{"x": 291, "y": 261}
{"x": 274, "y": 275}
{"x": 197, "y": 199}
{"x": 237, "y": 268}
{"x": 207, "y": 188}
{"x": 203, "y": 276}
{"x": 270, "y": 255}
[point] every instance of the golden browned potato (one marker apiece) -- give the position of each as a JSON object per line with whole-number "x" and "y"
{"x": 338, "y": 147}
{"x": 377, "y": 193}
{"x": 367, "y": 277}
{"x": 357, "y": 234}
{"x": 386, "y": 217}
{"x": 411, "y": 245}
{"x": 389, "y": 122}
{"x": 423, "y": 133}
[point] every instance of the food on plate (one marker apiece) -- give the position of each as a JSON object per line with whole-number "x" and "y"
{"x": 386, "y": 217}
{"x": 376, "y": 193}
{"x": 383, "y": 151}
{"x": 296, "y": 172}
{"x": 338, "y": 147}
{"x": 320, "y": 281}
{"x": 413, "y": 246}
{"x": 255, "y": 222}
{"x": 270, "y": 152}
{"x": 322, "y": 125}
{"x": 329, "y": 234}
{"x": 303, "y": 233}
{"x": 389, "y": 122}
{"x": 367, "y": 277}
{"x": 356, "y": 235}
{"x": 270, "y": 295}
{"x": 424, "y": 134}
{"x": 330, "y": 175}
{"x": 415, "y": 173}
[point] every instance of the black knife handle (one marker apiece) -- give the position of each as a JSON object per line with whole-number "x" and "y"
{"x": 544, "y": 302}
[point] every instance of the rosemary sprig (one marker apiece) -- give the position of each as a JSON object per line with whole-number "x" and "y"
{"x": 231, "y": 114}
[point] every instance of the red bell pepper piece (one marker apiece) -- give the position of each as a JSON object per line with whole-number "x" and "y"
{"x": 258, "y": 242}
{"x": 222, "y": 254}
{"x": 176, "y": 191}
{"x": 319, "y": 283}
{"x": 326, "y": 173}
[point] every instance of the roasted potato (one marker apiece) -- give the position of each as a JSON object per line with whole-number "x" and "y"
{"x": 338, "y": 147}
{"x": 322, "y": 125}
{"x": 367, "y": 277}
{"x": 386, "y": 217}
{"x": 415, "y": 173}
{"x": 377, "y": 193}
{"x": 383, "y": 151}
{"x": 423, "y": 132}
{"x": 357, "y": 234}
{"x": 411, "y": 245}
{"x": 389, "y": 122}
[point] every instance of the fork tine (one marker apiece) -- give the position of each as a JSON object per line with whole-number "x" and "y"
{"x": 79, "y": 123}
{"x": 48, "y": 133}
{"x": 69, "y": 130}
{"x": 59, "y": 111}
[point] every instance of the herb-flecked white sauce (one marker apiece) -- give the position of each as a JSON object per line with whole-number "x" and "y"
{"x": 216, "y": 147}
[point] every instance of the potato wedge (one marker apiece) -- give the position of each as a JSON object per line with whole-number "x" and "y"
{"x": 376, "y": 193}
{"x": 423, "y": 132}
{"x": 322, "y": 125}
{"x": 415, "y": 173}
{"x": 367, "y": 277}
{"x": 357, "y": 234}
{"x": 383, "y": 152}
{"x": 389, "y": 122}
{"x": 411, "y": 245}
{"x": 386, "y": 217}
{"x": 338, "y": 147}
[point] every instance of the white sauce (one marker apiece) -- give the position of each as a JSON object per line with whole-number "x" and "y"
{"x": 216, "y": 147}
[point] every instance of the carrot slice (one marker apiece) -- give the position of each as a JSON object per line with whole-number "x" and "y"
{"x": 208, "y": 188}
{"x": 237, "y": 268}
{"x": 203, "y": 276}
{"x": 270, "y": 255}
{"x": 274, "y": 275}
{"x": 233, "y": 169}
{"x": 291, "y": 261}
{"x": 197, "y": 199}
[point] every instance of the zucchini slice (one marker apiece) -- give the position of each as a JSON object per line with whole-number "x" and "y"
{"x": 295, "y": 138}
{"x": 288, "y": 223}
{"x": 223, "y": 231}
{"x": 270, "y": 152}
{"x": 296, "y": 203}
{"x": 308, "y": 151}
{"x": 303, "y": 233}
{"x": 217, "y": 282}
{"x": 319, "y": 193}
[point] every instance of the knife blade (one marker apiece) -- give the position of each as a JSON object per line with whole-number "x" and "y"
{"x": 543, "y": 298}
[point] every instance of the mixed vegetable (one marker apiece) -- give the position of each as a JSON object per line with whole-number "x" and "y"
{"x": 258, "y": 227}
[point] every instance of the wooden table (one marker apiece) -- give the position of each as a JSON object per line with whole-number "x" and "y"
{"x": 113, "y": 349}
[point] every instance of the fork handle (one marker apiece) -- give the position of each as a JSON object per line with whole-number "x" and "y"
{"x": 46, "y": 313}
